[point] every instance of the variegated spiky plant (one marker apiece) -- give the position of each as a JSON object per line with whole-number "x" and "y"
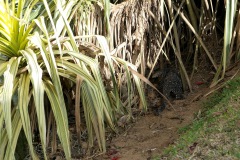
{"x": 38, "y": 51}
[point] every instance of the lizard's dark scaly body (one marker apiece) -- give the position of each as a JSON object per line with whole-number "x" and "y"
{"x": 170, "y": 84}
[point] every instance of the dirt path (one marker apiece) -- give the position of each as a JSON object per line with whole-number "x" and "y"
{"x": 150, "y": 134}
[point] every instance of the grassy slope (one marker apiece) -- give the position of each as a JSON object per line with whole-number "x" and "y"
{"x": 215, "y": 133}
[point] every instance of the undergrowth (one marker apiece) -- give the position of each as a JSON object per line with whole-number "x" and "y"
{"x": 215, "y": 134}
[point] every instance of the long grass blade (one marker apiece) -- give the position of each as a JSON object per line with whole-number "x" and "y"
{"x": 3, "y": 133}
{"x": 38, "y": 93}
{"x": 93, "y": 109}
{"x": 62, "y": 123}
{"x": 228, "y": 31}
{"x": 16, "y": 127}
{"x": 9, "y": 76}
{"x": 24, "y": 97}
{"x": 54, "y": 74}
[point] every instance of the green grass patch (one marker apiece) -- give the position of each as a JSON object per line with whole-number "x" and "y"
{"x": 216, "y": 133}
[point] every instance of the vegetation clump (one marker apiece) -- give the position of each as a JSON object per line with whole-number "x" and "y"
{"x": 214, "y": 133}
{"x": 70, "y": 67}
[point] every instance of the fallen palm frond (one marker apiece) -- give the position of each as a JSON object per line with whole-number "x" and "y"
{"x": 146, "y": 42}
{"x": 133, "y": 22}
